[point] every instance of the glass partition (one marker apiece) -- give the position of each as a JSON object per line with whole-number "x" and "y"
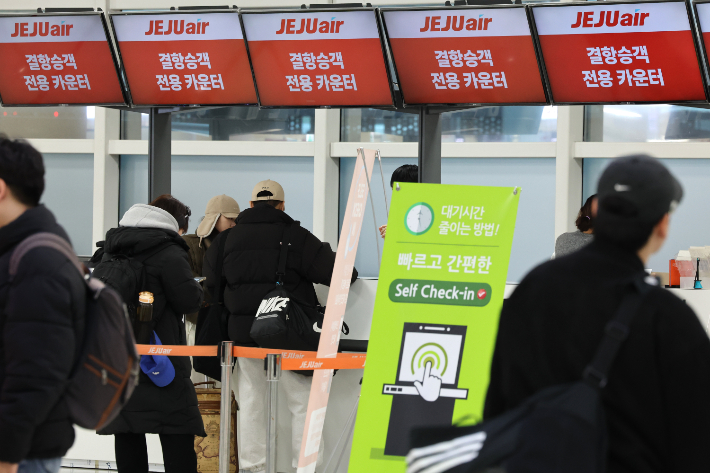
{"x": 48, "y": 122}
{"x": 646, "y": 123}
{"x": 491, "y": 124}
{"x": 228, "y": 124}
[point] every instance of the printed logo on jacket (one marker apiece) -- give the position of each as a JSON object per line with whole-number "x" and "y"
{"x": 639, "y": 52}
{"x": 185, "y": 58}
{"x": 465, "y": 56}
{"x": 57, "y": 60}
{"x": 313, "y": 59}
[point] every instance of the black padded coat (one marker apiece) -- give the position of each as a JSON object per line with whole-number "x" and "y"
{"x": 173, "y": 408}
{"x": 41, "y": 328}
{"x": 251, "y": 256}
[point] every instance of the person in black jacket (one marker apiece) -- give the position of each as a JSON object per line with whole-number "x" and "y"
{"x": 152, "y": 233}
{"x": 656, "y": 399}
{"x": 41, "y": 322}
{"x": 251, "y": 255}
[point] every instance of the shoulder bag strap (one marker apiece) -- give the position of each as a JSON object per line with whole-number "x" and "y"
{"x": 615, "y": 333}
{"x": 281, "y": 271}
{"x": 218, "y": 269}
{"x": 43, "y": 239}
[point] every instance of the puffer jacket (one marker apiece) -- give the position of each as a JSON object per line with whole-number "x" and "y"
{"x": 172, "y": 409}
{"x": 41, "y": 329}
{"x": 251, "y": 256}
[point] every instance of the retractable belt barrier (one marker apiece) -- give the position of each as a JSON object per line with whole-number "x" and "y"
{"x": 290, "y": 360}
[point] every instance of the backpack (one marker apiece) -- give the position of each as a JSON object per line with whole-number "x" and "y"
{"x": 106, "y": 371}
{"x": 283, "y": 323}
{"x": 126, "y": 276}
{"x": 561, "y": 429}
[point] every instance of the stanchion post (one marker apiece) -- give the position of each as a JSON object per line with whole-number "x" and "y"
{"x": 225, "y": 412}
{"x": 273, "y": 374}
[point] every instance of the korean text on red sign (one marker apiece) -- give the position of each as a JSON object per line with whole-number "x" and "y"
{"x": 315, "y": 59}
{"x": 638, "y": 52}
{"x": 464, "y": 56}
{"x": 57, "y": 60}
{"x": 185, "y": 58}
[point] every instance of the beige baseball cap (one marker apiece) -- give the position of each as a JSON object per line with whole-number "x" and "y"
{"x": 273, "y": 187}
{"x": 218, "y": 205}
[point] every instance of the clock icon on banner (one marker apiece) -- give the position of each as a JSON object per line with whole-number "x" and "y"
{"x": 419, "y": 218}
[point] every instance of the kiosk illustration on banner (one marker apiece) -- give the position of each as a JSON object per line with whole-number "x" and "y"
{"x": 607, "y": 52}
{"x": 465, "y": 55}
{"x": 316, "y": 58}
{"x": 185, "y": 58}
{"x": 428, "y": 372}
{"x": 56, "y": 59}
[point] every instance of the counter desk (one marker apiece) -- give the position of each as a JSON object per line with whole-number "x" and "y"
{"x": 94, "y": 451}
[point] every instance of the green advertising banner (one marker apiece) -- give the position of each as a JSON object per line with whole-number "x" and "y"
{"x": 438, "y": 301}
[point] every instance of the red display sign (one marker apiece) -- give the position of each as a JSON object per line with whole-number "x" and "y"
{"x": 185, "y": 58}
{"x": 464, "y": 56}
{"x": 632, "y": 52}
{"x": 49, "y": 60}
{"x": 316, "y": 59}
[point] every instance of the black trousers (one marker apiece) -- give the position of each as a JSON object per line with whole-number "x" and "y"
{"x": 178, "y": 453}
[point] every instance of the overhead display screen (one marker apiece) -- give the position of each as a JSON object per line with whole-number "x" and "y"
{"x": 468, "y": 55}
{"x": 185, "y": 58}
{"x": 50, "y": 60}
{"x": 703, "y": 15}
{"x": 312, "y": 59}
{"x": 623, "y": 52}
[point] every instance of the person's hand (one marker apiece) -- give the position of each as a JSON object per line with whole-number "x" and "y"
{"x": 8, "y": 467}
{"x": 429, "y": 387}
{"x": 383, "y": 230}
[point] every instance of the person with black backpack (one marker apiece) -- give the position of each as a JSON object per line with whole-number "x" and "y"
{"x": 596, "y": 368}
{"x": 42, "y": 322}
{"x": 251, "y": 253}
{"x": 147, "y": 254}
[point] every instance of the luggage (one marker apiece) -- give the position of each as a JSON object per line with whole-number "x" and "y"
{"x": 106, "y": 371}
{"x": 207, "y": 448}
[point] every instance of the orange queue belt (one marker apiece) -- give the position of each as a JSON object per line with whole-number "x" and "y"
{"x": 290, "y": 360}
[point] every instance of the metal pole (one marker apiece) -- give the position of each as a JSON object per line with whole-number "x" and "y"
{"x": 273, "y": 374}
{"x": 225, "y": 413}
{"x": 159, "y": 153}
{"x": 429, "y": 146}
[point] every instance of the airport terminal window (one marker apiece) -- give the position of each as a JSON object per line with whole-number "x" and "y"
{"x": 491, "y": 124}
{"x": 48, "y": 122}
{"x": 535, "y": 227}
{"x": 645, "y": 123}
{"x": 228, "y": 124}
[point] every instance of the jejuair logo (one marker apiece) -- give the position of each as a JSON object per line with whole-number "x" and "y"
{"x": 310, "y": 26}
{"x": 455, "y": 23}
{"x": 41, "y": 28}
{"x": 610, "y": 18}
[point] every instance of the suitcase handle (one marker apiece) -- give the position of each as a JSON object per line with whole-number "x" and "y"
{"x": 213, "y": 383}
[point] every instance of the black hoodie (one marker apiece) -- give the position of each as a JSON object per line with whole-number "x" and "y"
{"x": 658, "y": 397}
{"x": 173, "y": 408}
{"x": 41, "y": 326}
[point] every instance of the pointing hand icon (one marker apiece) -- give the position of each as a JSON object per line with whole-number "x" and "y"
{"x": 430, "y": 386}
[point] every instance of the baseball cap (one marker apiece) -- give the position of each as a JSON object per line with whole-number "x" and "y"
{"x": 218, "y": 205}
{"x": 268, "y": 190}
{"x": 634, "y": 193}
{"x": 159, "y": 368}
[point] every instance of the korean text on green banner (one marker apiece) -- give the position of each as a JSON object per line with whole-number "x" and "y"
{"x": 436, "y": 315}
